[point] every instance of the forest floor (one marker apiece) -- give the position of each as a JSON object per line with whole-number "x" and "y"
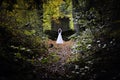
{"x": 63, "y": 52}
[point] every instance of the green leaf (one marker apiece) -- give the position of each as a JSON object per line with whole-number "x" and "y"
{"x": 31, "y": 32}
{"x": 26, "y": 32}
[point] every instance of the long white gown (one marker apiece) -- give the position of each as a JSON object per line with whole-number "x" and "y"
{"x": 59, "y": 39}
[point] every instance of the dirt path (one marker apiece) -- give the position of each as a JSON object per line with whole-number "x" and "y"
{"x": 63, "y": 51}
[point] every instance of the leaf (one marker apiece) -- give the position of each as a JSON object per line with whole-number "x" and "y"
{"x": 18, "y": 55}
{"x": 26, "y": 32}
{"x": 31, "y": 32}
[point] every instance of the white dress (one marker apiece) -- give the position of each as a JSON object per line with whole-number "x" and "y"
{"x": 59, "y": 38}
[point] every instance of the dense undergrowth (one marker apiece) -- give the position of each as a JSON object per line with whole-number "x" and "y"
{"x": 23, "y": 42}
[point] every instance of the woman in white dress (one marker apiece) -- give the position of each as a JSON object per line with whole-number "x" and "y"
{"x": 59, "y": 38}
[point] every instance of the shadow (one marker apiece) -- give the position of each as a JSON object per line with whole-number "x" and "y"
{"x": 54, "y": 34}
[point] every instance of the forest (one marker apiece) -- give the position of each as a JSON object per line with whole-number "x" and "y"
{"x": 30, "y": 29}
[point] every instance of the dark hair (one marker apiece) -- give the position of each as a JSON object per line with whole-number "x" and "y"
{"x": 59, "y": 30}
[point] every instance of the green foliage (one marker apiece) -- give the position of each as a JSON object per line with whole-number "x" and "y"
{"x": 54, "y": 9}
{"x": 21, "y": 31}
{"x": 51, "y": 58}
{"x": 88, "y": 29}
{"x": 29, "y": 32}
{"x": 101, "y": 41}
{"x": 83, "y": 42}
{"x": 84, "y": 38}
{"x": 21, "y": 39}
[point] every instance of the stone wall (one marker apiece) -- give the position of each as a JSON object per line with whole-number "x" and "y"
{"x": 62, "y": 23}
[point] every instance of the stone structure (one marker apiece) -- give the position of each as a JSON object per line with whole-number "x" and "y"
{"x": 62, "y": 23}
